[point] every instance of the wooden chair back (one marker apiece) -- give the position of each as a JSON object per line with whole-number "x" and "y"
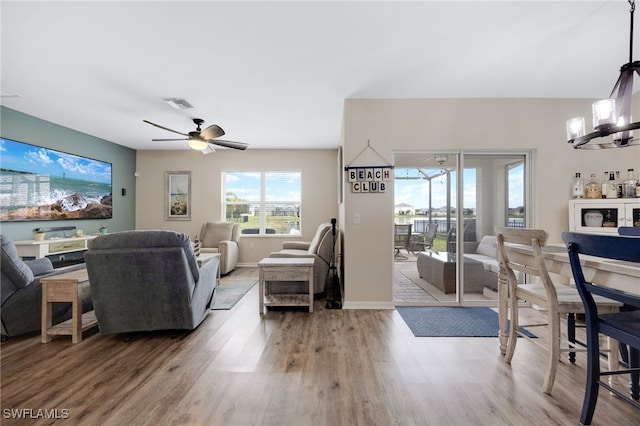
{"x": 534, "y": 266}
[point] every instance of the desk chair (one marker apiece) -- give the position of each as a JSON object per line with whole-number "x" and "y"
{"x": 556, "y": 300}
{"x": 623, "y": 326}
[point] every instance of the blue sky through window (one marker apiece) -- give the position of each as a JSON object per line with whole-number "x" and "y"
{"x": 416, "y": 192}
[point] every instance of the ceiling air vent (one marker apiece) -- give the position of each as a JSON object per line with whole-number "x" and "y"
{"x": 178, "y": 103}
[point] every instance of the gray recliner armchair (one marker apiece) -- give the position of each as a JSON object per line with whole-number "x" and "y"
{"x": 319, "y": 248}
{"x": 21, "y": 305}
{"x": 148, "y": 280}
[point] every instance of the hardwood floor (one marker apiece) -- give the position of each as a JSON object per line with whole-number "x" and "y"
{"x": 329, "y": 367}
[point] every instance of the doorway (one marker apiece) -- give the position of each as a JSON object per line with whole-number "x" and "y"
{"x": 464, "y": 195}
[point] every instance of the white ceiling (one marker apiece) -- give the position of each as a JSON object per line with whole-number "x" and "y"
{"x": 276, "y": 74}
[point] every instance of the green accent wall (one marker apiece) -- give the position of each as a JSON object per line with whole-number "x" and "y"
{"x": 25, "y": 128}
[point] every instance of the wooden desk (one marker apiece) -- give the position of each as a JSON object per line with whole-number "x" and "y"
{"x": 70, "y": 287}
{"x": 612, "y": 273}
{"x": 285, "y": 269}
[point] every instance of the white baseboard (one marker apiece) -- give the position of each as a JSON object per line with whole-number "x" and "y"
{"x": 368, "y": 305}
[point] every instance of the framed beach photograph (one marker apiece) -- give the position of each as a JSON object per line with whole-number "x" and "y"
{"x": 177, "y": 196}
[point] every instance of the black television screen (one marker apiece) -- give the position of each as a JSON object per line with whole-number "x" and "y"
{"x": 38, "y": 183}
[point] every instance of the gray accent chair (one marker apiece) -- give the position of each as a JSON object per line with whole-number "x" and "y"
{"x": 223, "y": 238}
{"x": 148, "y": 280}
{"x": 21, "y": 293}
{"x": 319, "y": 248}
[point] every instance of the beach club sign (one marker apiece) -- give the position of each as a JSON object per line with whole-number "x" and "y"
{"x": 368, "y": 179}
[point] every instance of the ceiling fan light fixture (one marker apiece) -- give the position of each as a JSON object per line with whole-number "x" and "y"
{"x": 197, "y": 144}
{"x": 611, "y": 116}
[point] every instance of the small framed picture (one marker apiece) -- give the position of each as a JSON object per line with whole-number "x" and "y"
{"x": 177, "y": 196}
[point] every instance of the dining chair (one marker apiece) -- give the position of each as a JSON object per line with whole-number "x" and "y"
{"x": 622, "y": 326}
{"x": 629, "y": 231}
{"x": 556, "y": 299}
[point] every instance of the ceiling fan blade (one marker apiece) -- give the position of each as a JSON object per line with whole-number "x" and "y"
{"x": 229, "y": 144}
{"x": 165, "y": 128}
{"x": 212, "y": 132}
{"x": 167, "y": 140}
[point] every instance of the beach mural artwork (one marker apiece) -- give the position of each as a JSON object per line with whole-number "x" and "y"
{"x": 178, "y": 196}
{"x": 38, "y": 183}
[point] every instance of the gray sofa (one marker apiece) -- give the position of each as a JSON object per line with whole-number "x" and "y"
{"x": 148, "y": 280}
{"x": 21, "y": 305}
{"x": 319, "y": 248}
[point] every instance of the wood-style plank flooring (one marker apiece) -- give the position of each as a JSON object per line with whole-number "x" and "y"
{"x": 329, "y": 367}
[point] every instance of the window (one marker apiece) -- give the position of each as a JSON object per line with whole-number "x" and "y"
{"x": 515, "y": 195}
{"x": 263, "y": 202}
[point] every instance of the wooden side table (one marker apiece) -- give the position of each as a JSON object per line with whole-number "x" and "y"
{"x": 285, "y": 269}
{"x": 69, "y": 287}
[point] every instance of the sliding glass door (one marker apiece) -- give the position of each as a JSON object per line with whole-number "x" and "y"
{"x": 464, "y": 196}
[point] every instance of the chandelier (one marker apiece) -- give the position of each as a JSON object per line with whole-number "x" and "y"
{"x": 611, "y": 116}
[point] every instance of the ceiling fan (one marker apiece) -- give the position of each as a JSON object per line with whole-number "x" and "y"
{"x": 202, "y": 140}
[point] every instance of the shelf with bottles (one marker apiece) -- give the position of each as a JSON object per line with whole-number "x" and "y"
{"x": 613, "y": 186}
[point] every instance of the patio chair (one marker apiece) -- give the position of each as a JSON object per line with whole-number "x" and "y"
{"x": 423, "y": 241}
{"x": 401, "y": 239}
{"x": 623, "y": 326}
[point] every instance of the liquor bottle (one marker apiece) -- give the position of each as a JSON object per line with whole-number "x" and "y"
{"x": 593, "y": 190}
{"x": 618, "y": 185}
{"x": 578, "y": 187}
{"x": 612, "y": 188}
{"x": 605, "y": 184}
{"x": 629, "y": 185}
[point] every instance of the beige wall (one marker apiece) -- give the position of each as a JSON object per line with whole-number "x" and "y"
{"x": 476, "y": 125}
{"x": 319, "y": 190}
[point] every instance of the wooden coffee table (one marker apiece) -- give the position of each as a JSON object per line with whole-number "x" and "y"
{"x": 285, "y": 269}
{"x": 68, "y": 287}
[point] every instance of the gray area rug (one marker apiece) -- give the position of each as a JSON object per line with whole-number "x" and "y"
{"x": 452, "y": 321}
{"x": 228, "y": 294}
